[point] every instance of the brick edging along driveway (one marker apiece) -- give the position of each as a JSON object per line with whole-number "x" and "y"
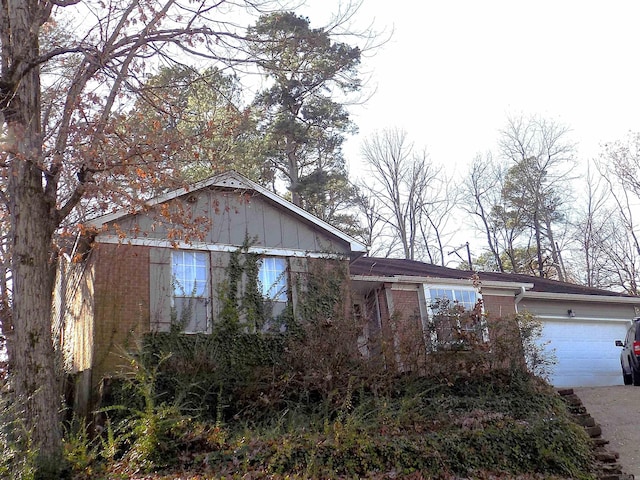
{"x": 608, "y": 414}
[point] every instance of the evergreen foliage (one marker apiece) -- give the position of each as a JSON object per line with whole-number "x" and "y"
{"x": 302, "y": 125}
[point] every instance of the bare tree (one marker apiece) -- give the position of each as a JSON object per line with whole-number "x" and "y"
{"x": 592, "y": 228}
{"x": 437, "y": 212}
{"x": 536, "y": 186}
{"x": 623, "y": 161}
{"x": 63, "y": 147}
{"x": 407, "y": 190}
{"x": 480, "y": 192}
{"x": 373, "y": 232}
{"x": 619, "y": 167}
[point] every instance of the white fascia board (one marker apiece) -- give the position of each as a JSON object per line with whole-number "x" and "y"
{"x": 579, "y": 319}
{"x": 233, "y": 179}
{"x": 577, "y": 297}
{"x": 229, "y": 180}
{"x": 98, "y": 222}
{"x": 510, "y": 286}
{"x": 201, "y": 246}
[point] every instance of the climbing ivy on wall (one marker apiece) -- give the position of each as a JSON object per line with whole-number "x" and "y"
{"x": 243, "y": 305}
{"x": 324, "y": 296}
{"x": 220, "y": 371}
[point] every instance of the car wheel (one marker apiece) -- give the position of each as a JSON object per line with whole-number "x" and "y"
{"x": 626, "y": 378}
{"x": 635, "y": 377}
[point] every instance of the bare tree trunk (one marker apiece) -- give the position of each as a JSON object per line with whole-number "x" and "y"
{"x": 32, "y": 209}
{"x": 555, "y": 251}
{"x": 536, "y": 226}
{"x": 484, "y": 178}
{"x": 30, "y": 346}
{"x": 402, "y": 183}
{"x": 493, "y": 248}
{"x": 293, "y": 173}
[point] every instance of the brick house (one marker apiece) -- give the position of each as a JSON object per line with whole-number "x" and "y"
{"x": 396, "y": 299}
{"x": 140, "y": 271}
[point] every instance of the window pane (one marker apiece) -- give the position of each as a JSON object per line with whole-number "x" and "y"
{"x": 451, "y": 323}
{"x": 273, "y": 278}
{"x": 467, "y": 298}
{"x": 189, "y": 273}
{"x": 190, "y": 300}
{"x": 441, "y": 293}
{"x": 191, "y": 314}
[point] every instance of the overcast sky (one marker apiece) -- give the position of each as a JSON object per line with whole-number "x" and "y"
{"x": 453, "y": 71}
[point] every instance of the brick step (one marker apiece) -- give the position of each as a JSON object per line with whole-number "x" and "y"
{"x": 607, "y": 467}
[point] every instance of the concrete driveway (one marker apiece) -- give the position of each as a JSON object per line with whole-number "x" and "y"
{"x": 617, "y": 411}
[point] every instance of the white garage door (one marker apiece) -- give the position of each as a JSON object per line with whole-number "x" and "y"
{"x": 585, "y": 351}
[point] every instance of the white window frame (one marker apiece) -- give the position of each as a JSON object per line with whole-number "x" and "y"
{"x": 454, "y": 292}
{"x": 274, "y": 282}
{"x": 190, "y": 279}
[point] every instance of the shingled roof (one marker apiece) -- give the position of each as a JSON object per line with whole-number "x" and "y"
{"x": 395, "y": 267}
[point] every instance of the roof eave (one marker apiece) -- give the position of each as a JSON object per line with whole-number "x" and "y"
{"x": 512, "y": 286}
{"x": 580, "y": 297}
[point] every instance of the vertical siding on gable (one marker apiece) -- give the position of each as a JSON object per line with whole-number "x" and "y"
{"x": 290, "y": 229}
{"x": 256, "y": 224}
{"x": 273, "y": 221}
{"x": 232, "y": 217}
{"x": 236, "y": 215}
{"x": 306, "y": 239}
{"x": 220, "y": 224}
{"x": 239, "y": 223}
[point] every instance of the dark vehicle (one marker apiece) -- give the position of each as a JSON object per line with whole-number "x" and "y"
{"x": 630, "y": 354}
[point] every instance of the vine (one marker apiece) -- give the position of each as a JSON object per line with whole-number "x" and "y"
{"x": 241, "y": 294}
{"x": 250, "y": 357}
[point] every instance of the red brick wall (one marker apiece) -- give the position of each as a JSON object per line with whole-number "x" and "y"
{"x": 402, "y": 332}
{"x": 121, "y": 304}
{"x": 410, "y": 347}
{"x": 503, "y": 328}
{"x": 405, "y": 302}
{"x": 498, "y": 307}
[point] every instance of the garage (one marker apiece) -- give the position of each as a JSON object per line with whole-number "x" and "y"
{"x": 585, "y": 351}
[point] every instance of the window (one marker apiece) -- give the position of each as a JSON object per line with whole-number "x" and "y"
{"x": 273, "y": 279}
{"x": 453, "y": 323}
{"x": 190, "y": 299}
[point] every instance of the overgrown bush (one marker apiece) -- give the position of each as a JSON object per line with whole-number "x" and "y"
{"x": 459, "y": 342}
{"x": 540, "y": 359}
{"x": 501, "y": 424}
{"x": 474, "y": 428}
{"x": 19, "y": 456}
{"x": 304, "y": 402}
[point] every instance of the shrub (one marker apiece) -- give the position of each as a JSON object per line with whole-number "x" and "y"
{"x": 19, "y": 456}
{"x": 304, "y": 403}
